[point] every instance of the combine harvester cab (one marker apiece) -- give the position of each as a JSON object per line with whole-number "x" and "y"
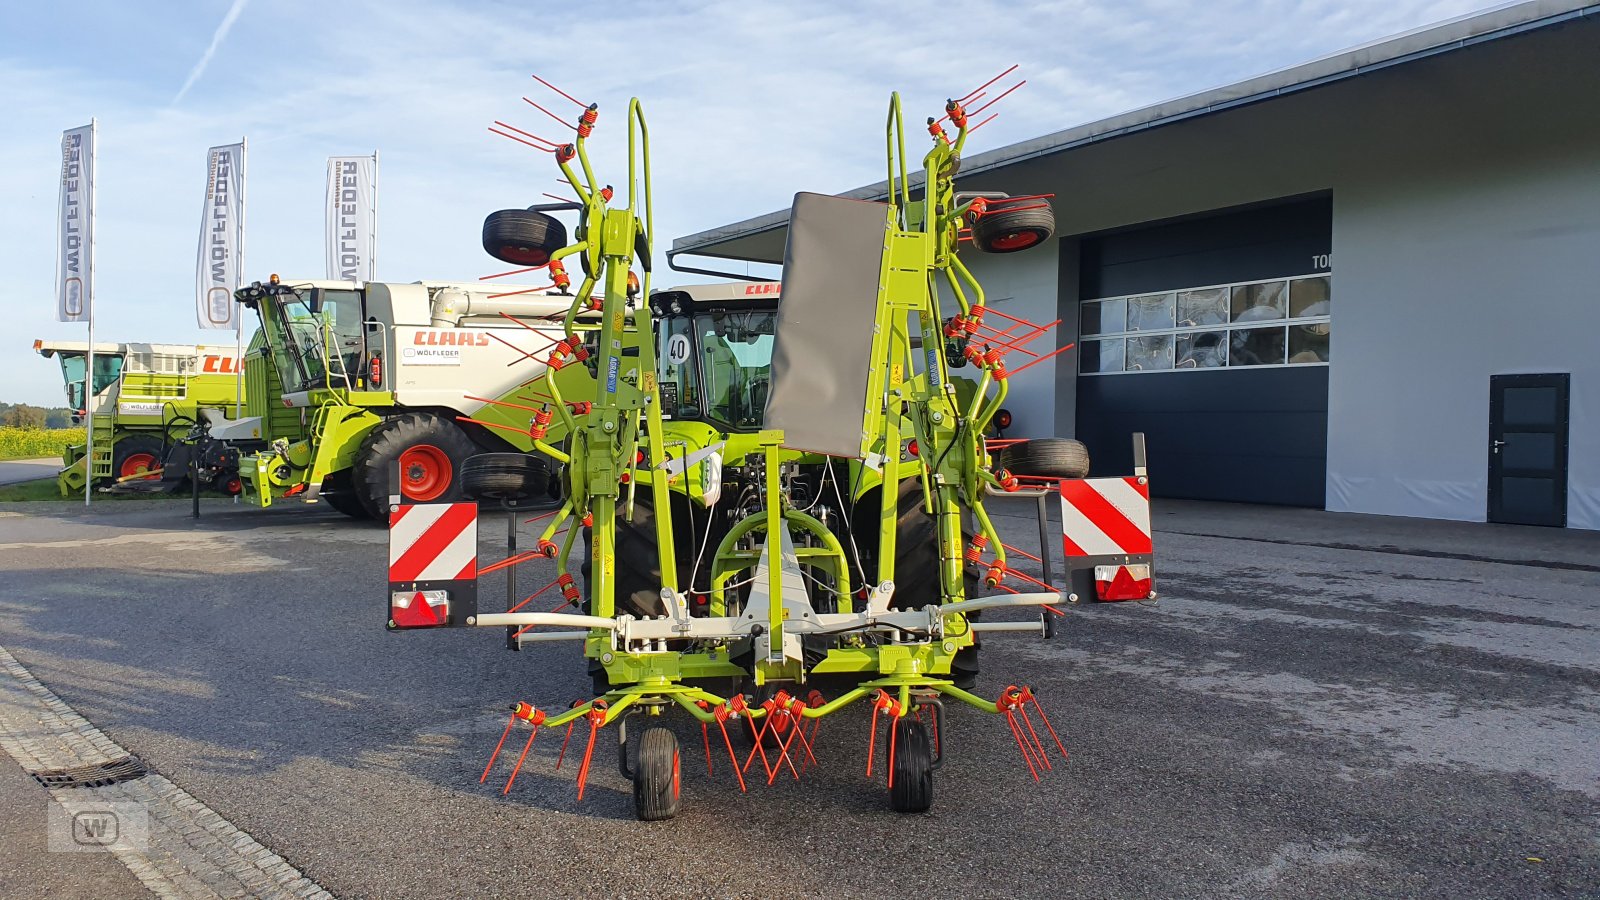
{"x": 761, "y": 572}
{"x": 374, "y": 375}
{"x": 146, "y": 399}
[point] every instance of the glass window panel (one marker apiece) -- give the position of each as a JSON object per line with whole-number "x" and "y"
{"x": 1150, "y": 313}
{"x": 1208, "y": 307}
{"x": 1202, "y": 350}
{"x": 1147, "y": 354}
{"x": 1101, "y": 317}
{"x": 1255, "y": 346}
{"x": 1101, "y": 356}
{"x": 1309, "y": 296}
{"x": 1308, "y": 343}
{"x": 1258, "y": 302}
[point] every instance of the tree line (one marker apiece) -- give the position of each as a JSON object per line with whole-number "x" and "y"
{"x": 23, "y": 415}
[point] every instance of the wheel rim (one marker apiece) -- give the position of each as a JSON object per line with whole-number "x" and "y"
{"x": 137, "y": 464}
{"x": 233, "y": 486}
{"x": 675, "y": 777}
{"x": 1015, "y": 240}
{"x": 426, "y": 472}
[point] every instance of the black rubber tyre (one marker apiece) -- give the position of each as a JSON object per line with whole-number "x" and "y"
{"x": 339, "y": 491}
{"x": 916, "y": 569}
{"x": 1049, "y": 457}
{"x": 385, "y": 444}
{"x": 912, "y": 791}
{"x": 523, "y": 237}
{"x": 505, "y": 476}
{"x": 135, "y": 450}
{"x": 656, "y": 776}
{"x": 1010, "y": 230}
{"x": 638, "y": 571}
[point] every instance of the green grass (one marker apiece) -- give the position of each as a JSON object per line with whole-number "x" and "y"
{"x": 43, "y": 489}
{"x": 32, "y": 443}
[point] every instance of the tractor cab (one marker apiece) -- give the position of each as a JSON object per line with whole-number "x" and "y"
{"x": 714, "y": 350}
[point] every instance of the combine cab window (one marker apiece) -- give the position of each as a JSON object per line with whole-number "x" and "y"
{"x": 107, "y": 369}
{"x": 324, "y": 348}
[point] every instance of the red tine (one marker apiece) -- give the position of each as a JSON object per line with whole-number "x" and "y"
{"x": 999, "y": 98}
{"x": 549, "y": 113}
{"x": 531, "y": 290}
{"x": 981, "y": 87}
{"x": 554, "y": 197}
{"x": 561, "y": 92}
{"x": 521, "y": 141}
{"x": 527, "y": 134}
{"x": 518, "y": 767}
{"x": 513, "y": 271}
{"x": 503, "y": 735}
{"x": 1042, "y": 359}
{"x": 990, "y": 118}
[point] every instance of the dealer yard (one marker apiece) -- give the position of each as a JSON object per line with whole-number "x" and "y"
{"x": 1320, "y": 705}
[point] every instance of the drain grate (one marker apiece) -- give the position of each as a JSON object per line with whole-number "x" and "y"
{"x": 126, "y": 768}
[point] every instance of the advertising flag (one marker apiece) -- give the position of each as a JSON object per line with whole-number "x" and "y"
{"x": 352, "y": 208}
{"x": 75, "y": 235}
{"x": 219, "y": 268}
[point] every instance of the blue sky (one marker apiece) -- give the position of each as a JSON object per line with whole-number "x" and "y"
{"x": 748, "y": 102}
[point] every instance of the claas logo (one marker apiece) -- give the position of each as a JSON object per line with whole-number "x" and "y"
{"x": 451, "y": 339}
{"x": 225, "y": 365}
{"x": 770, "y": 287}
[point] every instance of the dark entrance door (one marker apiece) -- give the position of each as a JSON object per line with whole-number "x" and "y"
{"x": 1528, "y": 449}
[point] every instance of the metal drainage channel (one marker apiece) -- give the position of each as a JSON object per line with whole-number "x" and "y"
{"x": 126, "y": 768}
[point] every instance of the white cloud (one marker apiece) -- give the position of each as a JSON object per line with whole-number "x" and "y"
{"x": 748, "y": 102}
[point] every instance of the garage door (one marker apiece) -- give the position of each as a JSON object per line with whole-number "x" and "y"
{"x": 1211, "y": 336}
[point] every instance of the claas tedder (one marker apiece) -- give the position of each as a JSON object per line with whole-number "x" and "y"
{"x": 781, "y": 485}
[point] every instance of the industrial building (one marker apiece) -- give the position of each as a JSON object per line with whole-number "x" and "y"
{"x": 1369, "y": 283}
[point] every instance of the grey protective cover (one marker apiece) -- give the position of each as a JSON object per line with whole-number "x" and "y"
{"x": 821, "y": 356}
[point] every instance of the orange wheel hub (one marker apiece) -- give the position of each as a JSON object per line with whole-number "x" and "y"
{"x": 138, "y": 464}
{"x": 426, "y": 472}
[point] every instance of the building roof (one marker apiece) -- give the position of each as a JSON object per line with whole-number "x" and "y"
{"x": 1455, "y": 34}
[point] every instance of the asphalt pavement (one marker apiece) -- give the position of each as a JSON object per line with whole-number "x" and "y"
{"x": 1319, "y": 706}
{"x": 16, "y": 471}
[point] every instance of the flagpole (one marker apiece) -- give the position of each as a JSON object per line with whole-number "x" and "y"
{"x": 372, "y": 266}
{"x": 88, "y": 367}
{"x": 238, "y": 320}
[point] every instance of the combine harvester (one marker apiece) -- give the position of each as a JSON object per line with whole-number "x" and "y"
{"x": 814, "y": 517}
{"x": 146, "y": 399}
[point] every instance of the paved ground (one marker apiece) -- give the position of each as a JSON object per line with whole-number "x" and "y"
{"x": 16, "y": 471}
{"x": 1321, "y": 705}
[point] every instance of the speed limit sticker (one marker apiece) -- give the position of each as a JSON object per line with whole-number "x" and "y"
{"x": 678, "y": 349}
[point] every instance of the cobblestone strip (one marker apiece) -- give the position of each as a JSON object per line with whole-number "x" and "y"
{"x": 192, "y": 852}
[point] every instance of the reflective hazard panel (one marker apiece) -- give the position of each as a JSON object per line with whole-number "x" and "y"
{"x": 433, "y": 564}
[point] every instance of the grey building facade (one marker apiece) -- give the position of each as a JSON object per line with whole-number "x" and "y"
{"x": 1370, "y": 283}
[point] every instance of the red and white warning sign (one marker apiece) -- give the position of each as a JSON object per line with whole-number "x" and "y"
{"x": 1105, "y": 516}
{"x": 433, "y": 557}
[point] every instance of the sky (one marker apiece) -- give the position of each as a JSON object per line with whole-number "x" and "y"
{"x": 747, "y": 103}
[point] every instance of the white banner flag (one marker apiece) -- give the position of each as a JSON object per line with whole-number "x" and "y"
{"x": 352, "y": 207}
{"x": 219, "y": 269}
{"x": 75, "y": 238}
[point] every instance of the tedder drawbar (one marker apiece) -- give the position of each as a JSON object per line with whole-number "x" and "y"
{"x": 782, "y": 487}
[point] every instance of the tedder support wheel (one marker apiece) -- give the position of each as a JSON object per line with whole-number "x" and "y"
{"x": 523, "y": 237}
{"x": 912, "y": 765}
{"x": 1048, "y": 457}
{"x": 511, "y": 477}
{"x": 1003, "y": 230}
{"x": 430, "y": 450}
{"x": 135, "y": 455}
{"x": 656, "y": 778}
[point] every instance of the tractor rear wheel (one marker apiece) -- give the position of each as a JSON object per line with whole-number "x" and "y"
{"x": 523, "y": 237}
{"x": 912, "y": 767}
{"x": 430, "y": 450}
{"x": 1047, "y": 457}
{"x": 638, "y": 565}
{"x": 916, "y": 570}
{"x": 1010, "y": 230}
{"x": 657, "y": 777}
{"x": 512, "y": 477}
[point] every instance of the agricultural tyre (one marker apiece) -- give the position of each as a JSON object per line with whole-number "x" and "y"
{"x": 340, "y": 493}
{"x": 430, "y": 450}
{"x": 1010, "y": 230}
{"x": 136, "y": 454}
{"x": 638, "y": 568}
{"x": 916, "y": 571}
{"x": 656, "y": 776}
{"x": 505, "y": 477}
{"x": 912, "y": 767}
{"x": 1047, "y": 457}
{"x": 523, "y": 237}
